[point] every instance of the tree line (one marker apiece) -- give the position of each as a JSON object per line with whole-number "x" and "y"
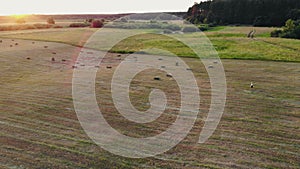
{"x": 246, "y": 12}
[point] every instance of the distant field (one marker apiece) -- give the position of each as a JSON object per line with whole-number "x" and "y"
{"x": 72, "y": 36}
{"x": 244, "y": 30}
{"x": 59, "y": 23}
{"x": 60, "y": 18}
{"x": 230, "y": 42}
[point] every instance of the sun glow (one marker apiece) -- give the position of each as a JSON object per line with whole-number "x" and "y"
{"x": 22, "y": 16}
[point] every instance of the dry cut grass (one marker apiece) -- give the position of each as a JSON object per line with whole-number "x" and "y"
{"x": 39, "y": 127}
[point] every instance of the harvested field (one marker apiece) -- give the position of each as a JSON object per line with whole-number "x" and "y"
{"x": 39, "y": 127}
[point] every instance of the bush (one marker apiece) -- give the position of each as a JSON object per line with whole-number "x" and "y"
{"x": 152, "y": 26}
{"x": 27, "y": 27}
{"x": 294, "y": 34}
{"x": 276, "y": 33}
{"x": 50, "y": 21}
{"x": 97, "y": 24}
{"x": 287, "y": 35}
{"x": 189, "y": 29}
{"x": 42, "y": 26}
{"x": 212, "y": 24}
{"x": 172, "y": 27}
{"x": 203, "y": 27}
{"x": 290, "y": 30}
{"x": 57, "y": 26}
{"x": 122, "y": 25}
{"x": 289, "y": 25}
{"x": 168, "y": 31}
{"x": 144, "y": 25}
{"x": 297, "y": 32}
{"x": 79, "y": 25}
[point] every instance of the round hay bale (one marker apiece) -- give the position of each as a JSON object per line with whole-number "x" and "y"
{"x": 74, "y": 67}
{"x": 156, "y": 78}
{"x": 63, "y": 60}
{"x": 169, "y": 75}
{"x": 16, "y": 44}
{"x": 210, "y": 66}
{"x": 53, "y": 59}
{"x": 28, "y": 58}
{"x": 1, "y": 41}
{"x": 54, "y": 53}
{"x": 45, "y": 47}
{"x": 109, "y": 67}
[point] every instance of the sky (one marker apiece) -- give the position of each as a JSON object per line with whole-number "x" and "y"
{"x": 16, "y": 7}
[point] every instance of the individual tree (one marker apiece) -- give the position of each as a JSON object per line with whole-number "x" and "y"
{"x": 97, "y": 24}
{"x": 289, "y": 25}
{"x": 51, "y": 21}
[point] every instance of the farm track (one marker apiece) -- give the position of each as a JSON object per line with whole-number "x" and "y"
{"x": 276, "y": 44}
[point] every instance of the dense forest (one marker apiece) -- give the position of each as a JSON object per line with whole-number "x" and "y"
{"x": 246, "y": 12}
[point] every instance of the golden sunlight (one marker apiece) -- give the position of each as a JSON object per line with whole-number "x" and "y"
{"x": 19, "y": 16}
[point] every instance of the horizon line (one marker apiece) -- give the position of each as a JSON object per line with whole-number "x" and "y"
{"x": 91, "y": 13}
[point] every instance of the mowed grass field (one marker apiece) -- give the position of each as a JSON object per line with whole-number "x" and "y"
{"x": 230, "y": 42}
{"x": 39, "y": 127}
